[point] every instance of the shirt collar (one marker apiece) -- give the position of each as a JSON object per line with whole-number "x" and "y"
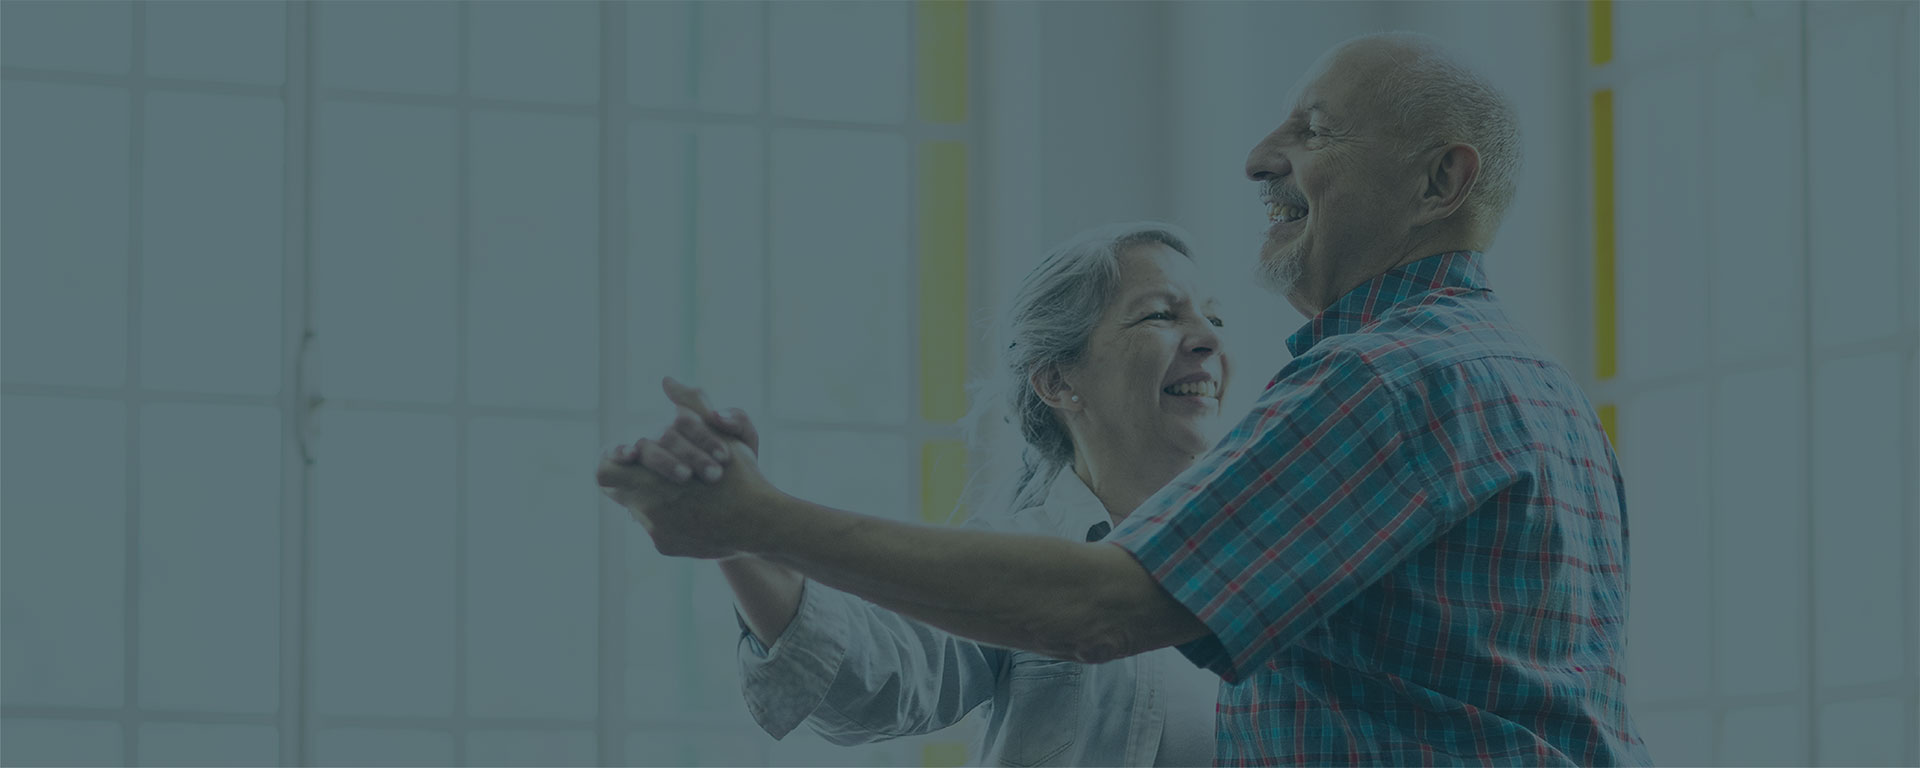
{"x": 1071, "y": 509}
{"x": 1362, "y": 305}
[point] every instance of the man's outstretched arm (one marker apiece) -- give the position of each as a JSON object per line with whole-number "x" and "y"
{"x": 1085, "y": 602}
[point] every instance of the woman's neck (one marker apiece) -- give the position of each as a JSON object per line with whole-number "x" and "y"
{"x": 1122, "y": 484}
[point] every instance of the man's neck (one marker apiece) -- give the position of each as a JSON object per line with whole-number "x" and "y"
{"x": 1416, "y": 250}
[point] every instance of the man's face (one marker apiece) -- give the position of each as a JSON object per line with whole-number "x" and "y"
{"x": 1338, "y": 197}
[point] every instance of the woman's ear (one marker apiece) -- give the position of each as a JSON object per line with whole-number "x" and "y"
{"x": 1053, "y": 389}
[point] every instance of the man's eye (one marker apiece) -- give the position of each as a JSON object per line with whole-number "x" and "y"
{"x": 1161, "y": 315}
{"x": 1217, "y": 322}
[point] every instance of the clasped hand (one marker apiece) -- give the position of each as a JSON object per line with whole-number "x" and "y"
{"x": 697, "y": 487}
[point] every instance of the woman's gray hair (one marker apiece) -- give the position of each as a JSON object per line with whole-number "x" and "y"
{"x": 1048, "y": 325}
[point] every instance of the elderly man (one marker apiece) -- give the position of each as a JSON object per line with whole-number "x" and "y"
{"x": 1413, "y": 551}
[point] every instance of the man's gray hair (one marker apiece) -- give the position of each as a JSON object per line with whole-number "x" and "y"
{"x": 1048, "y": 325}
{"x": 1438, "y": 100}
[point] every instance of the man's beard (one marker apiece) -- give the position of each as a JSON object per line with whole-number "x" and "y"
{"x": 1280, "y": 274}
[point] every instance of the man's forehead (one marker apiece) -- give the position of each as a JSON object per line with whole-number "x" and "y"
{"x": 1331, "y": 83}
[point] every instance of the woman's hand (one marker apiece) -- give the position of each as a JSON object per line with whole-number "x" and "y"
{"x": 702, "y": 520}
{"x": 692, "y": 446}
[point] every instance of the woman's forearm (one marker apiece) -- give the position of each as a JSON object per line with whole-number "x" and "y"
{"x": 768, "y": 595}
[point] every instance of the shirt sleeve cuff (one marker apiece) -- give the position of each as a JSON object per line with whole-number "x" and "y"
{"x": 783, "y": 684}
{"x": 1209, "y": 652}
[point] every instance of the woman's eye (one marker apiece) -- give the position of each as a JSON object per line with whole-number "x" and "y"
{"x": 1217, "y": 322}
{"x": 1162, "y": 315}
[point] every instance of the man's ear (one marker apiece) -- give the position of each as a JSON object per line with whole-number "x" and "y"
{"x": 1052, "y": 387}
{"x": 1450, "y": 174}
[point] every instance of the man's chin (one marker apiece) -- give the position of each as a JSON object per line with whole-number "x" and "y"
{"x": 1279, "y": 273}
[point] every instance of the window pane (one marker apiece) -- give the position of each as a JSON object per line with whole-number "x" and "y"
{"x": 1757, "y": 238}
{"x": 1857, "y": 478}
{"x": 236, "y": 42}
{"x": 384, "y": 229}
{"x": 210, "y": 558}
{"x": 1648, "y": 30}
{"x": 1663, "y": 261}
{"x": 532, "y": 569}
{"x": 59, "y": 742}
{"x": 65, "y": 194}
{"x": 840, "y": 60}
{"x": 535, "y": 270}
{"x": 839, "y": 276}
{"x": 383, "y": 573}
{"x": 1854, "y": 200}
{"x": 719, "y": 746}
{"x": 83, "y": 37}
{"x": 1678, "y": 738}
{"x": 212, "y": 244}
{"x": 381, "y": 747}
{"x": 195, "y": 744}
{"x": 1866, "y": 732}
{"x": 65, "y": 554}
{"x": 657, "y": 38}
{"x": 1762, "y": 736}
{"x": 732, "y": 47}
{"x": 535, "y": 51}
{"x": 389, "y": 46}
{"x": 1664, "y": 450}
{"x": 804, "y": 747}
{"x": 862, "y": 472}
{"x": 1759, "y": 488}
{"x": 659, "y": 229}
{"x": 731, "y": 319}
{"x": 518, "y": 748}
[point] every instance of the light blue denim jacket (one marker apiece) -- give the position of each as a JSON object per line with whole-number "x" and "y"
{"x": 858, "y": 673}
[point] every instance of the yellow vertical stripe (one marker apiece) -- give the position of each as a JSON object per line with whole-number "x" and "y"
{"x": 943, "y": 280}
{"x": 1600, "y": 31}
{"x": 1610, "y": 421}
{"x": 1605, "y": 356}
{"x": 941, "y": 43}
{"x": 943, "y": 754}
{"x": 943, "y": 475}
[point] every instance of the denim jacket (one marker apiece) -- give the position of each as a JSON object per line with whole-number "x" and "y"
{"x": 858, "y": 673}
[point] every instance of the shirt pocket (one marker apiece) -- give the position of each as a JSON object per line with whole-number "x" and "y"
{"x": 1043, "y": 716}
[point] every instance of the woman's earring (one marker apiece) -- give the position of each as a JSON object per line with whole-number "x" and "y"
{"x": 1076, "y": 398}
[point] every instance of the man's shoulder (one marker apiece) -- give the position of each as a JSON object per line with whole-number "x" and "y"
{"x": 1442, "y": 330}
{"x": 1435, "y": 337}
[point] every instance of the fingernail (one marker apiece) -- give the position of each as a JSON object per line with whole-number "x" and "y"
{"x": 681, "y": 473}
{"x": 713, "y": 474}
{"x": 719, "y": 454}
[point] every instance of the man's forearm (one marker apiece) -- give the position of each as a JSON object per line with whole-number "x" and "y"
{"x": 1088, "y": 602}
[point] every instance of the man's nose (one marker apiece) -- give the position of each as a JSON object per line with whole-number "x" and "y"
{"x": 1267, "y": 161}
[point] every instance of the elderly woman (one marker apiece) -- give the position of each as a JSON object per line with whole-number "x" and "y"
{"x": 1114, "y": 374}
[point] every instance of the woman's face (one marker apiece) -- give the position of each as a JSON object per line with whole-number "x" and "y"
{"x": 1154, "y": 370}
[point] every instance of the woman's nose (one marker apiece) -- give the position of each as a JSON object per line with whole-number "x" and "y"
{"x": 1204, "y": 339}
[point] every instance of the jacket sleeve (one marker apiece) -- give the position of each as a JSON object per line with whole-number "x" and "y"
{"x": 859, "y": 673}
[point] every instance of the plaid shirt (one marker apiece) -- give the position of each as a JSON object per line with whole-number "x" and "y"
{"x": 1413, "y": 551}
